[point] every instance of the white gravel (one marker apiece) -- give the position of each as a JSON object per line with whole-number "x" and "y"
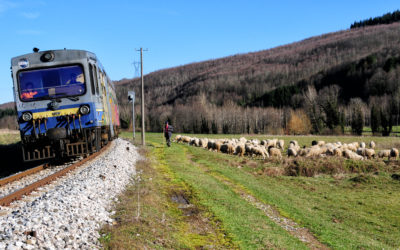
{"x": 68, "y": 213}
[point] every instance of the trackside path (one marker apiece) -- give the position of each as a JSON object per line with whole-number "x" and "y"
{"x": 248, "y": 226}
{"x": 287, "y": 224}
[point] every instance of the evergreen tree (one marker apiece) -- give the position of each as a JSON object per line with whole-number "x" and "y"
{"x": 204, "y": 129}
{"x": 386, "y": 122}
{"x": 375, "y": 120}
{"x": 357, "y": 121}
{"x": 214, "y": 127}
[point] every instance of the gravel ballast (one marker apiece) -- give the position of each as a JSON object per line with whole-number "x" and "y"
{"x": 69, "y": 212}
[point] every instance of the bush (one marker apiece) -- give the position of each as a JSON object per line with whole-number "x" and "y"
{"x": 299, "y": 123}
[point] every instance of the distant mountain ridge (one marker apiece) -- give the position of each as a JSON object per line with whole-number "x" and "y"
{"x": 363, "y": 62}
{"x": 7, "y": 105}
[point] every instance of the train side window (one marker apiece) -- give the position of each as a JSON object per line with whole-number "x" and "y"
{"x": 96, "y": 80}
{"x": 91, "y": 78}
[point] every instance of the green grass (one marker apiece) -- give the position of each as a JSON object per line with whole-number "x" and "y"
{"x": 248, "y": 226}
{"x": 9, "y": 138}
{"x": 347, "y": 211}
{"x": 342, "y": 213}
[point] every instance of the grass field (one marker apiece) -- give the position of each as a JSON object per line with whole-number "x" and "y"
{"x": 356, "y": 206}
{"x": 7, "y": 138}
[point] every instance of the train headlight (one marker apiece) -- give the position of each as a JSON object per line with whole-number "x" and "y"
{"x": 27, "y": 116}
{"x": 84, "y": 109}
{"x": 47, "y": 57}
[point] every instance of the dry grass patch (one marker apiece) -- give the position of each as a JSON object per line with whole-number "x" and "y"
{"x": 166, "y": 214}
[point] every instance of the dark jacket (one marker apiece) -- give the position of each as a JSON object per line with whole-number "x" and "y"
{"x": 168, "y": 131}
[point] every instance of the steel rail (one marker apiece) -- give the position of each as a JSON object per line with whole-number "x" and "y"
{"x": 8, "y": 199}
{"x": 21, "y": 175}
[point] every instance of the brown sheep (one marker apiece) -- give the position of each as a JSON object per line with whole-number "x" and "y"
{"x": 217, "y": 146}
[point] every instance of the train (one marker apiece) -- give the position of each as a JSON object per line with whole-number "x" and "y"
{"x": 66, "y": 104}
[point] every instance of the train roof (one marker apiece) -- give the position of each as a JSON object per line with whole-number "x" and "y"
{"x": 63, "y": 54}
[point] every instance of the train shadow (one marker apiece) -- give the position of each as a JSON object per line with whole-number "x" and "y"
{"x": 11, "y": 160}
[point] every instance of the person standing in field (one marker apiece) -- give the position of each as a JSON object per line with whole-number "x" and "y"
{"x": 168, "y": 129}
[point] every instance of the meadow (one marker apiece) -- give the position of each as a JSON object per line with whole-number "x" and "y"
{"x": 194, "y": 198}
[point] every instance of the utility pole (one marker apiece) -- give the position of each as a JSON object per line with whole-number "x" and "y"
{"x": 141, "y": 73}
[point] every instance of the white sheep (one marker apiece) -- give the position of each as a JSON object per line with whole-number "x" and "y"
{"x": 227, "y": 148}
{"x": 257, "y": 150}
{"x": 186, "y": 139}
{"x": 384, "y": 153}
{"x": 352, "y": 155}
{"x": 315, "y": 151}
{"x": 274, "y": 152}
{"x": 280, "y": 144}
{"x": 271, "y": 143}
{"x": 394, "y": 152}
{"x": 291, "y": 152}
{"x": 178, "y": 138}
{"x": 337, "y": 152}
{"x": 294, "y": 142}
{"x": 372, "y": 144}
{"x": 240, "y": 149}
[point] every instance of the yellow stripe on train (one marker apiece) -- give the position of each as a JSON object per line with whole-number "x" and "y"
{"x": 55, "y": 113}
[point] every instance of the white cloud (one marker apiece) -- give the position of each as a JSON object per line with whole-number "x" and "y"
{"x": 30, "y": 15}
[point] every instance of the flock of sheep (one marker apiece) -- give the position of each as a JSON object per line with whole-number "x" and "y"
{"x": 274, "y": 147}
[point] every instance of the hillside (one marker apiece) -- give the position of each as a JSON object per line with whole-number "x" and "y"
{"x": 256, "y": 92}
{"x": 7, "y": 105}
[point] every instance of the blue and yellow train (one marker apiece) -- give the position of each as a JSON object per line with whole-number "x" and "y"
{"x": 66, "y": 103}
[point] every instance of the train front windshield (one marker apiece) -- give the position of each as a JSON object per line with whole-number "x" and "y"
{"x": 51, "y": 83}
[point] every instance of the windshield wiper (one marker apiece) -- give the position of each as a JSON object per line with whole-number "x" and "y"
{"x": 73, "y": 98}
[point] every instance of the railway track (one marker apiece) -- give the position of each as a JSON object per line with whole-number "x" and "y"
{"x": 21, "y": 175}
{"x": 18, "y": 194}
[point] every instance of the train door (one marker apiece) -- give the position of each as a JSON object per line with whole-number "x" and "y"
{"x": 106, "y": 116}
{"x": 96, "y": 96}
{"x": 109, "y": 104}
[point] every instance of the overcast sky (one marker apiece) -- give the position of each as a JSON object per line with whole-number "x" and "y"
{"x": 175, "y": 32}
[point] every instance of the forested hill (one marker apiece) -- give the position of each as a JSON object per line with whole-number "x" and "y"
{"x": 253, "y": 92}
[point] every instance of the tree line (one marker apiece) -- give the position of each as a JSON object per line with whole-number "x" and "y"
{"x": 387, "y": 18}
